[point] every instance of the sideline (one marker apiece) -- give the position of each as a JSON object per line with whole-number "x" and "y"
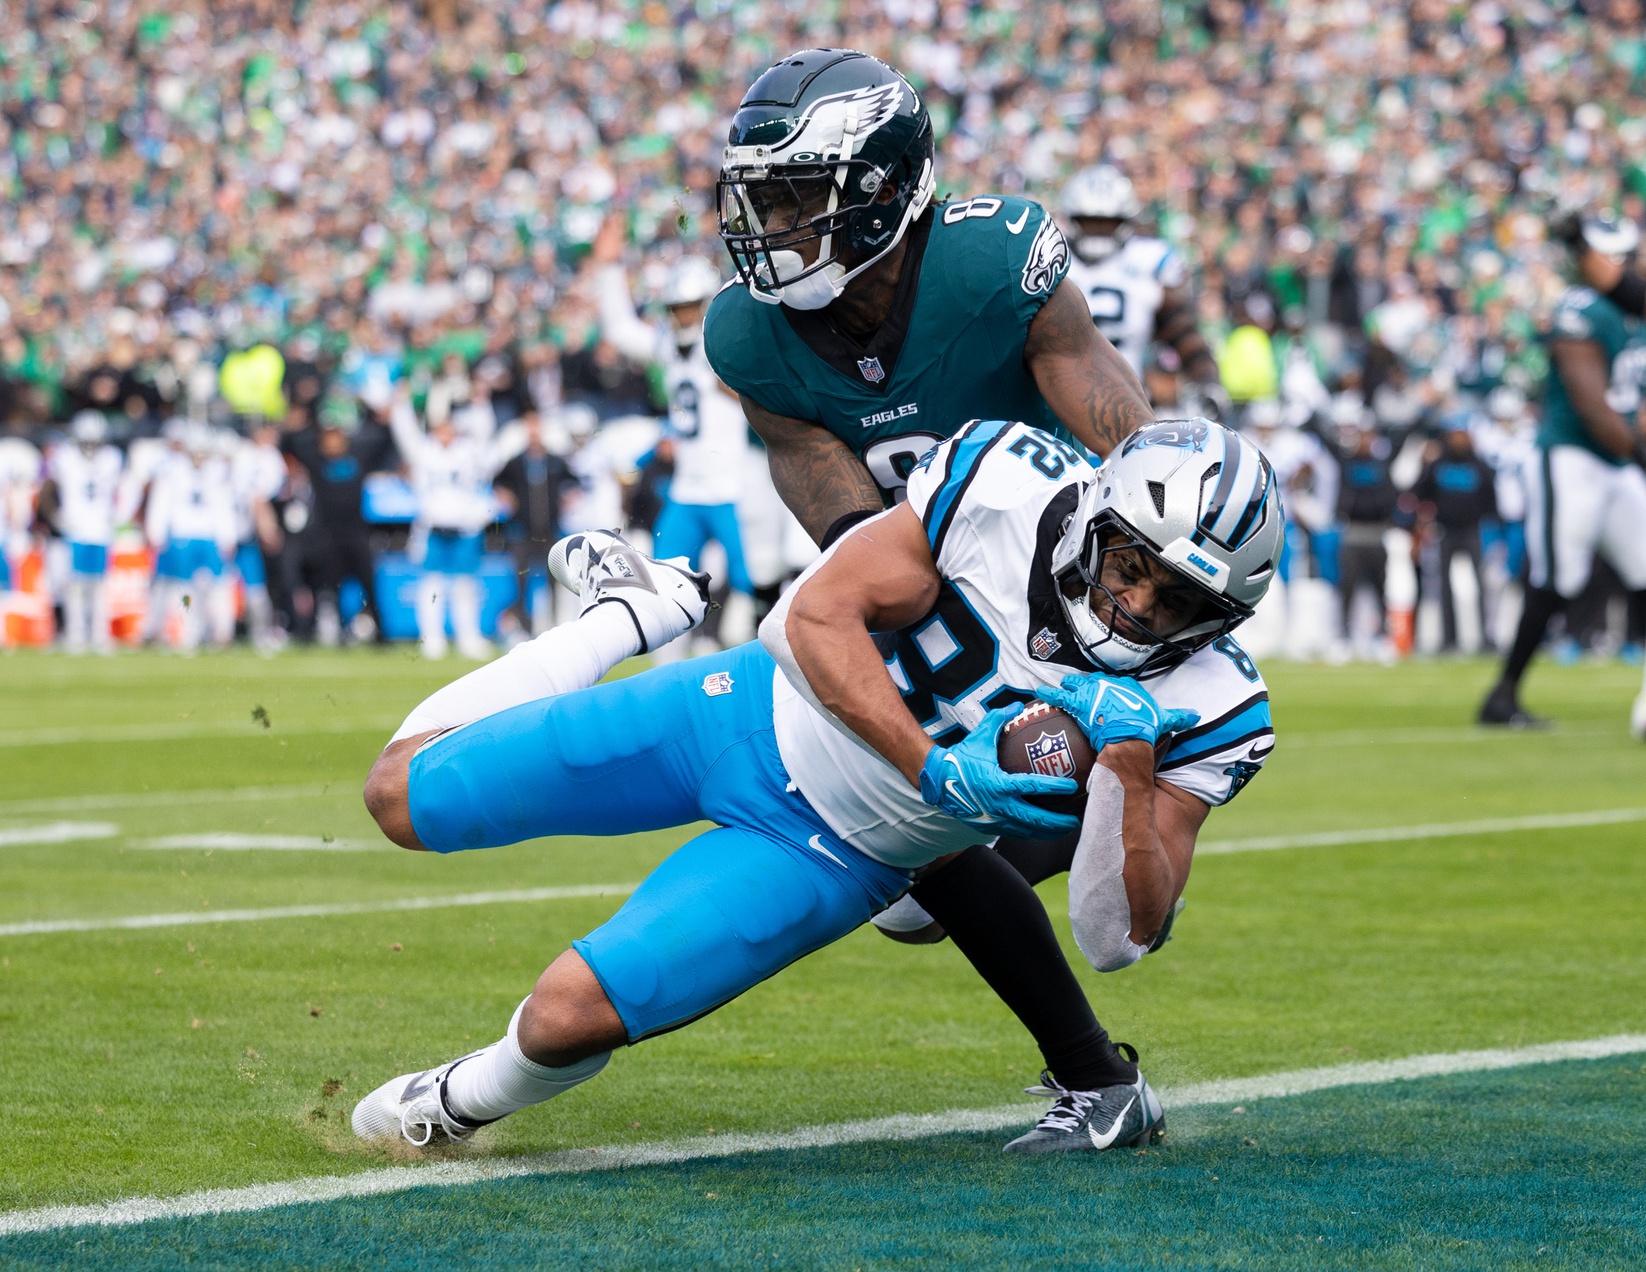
{"x": 372, "y": 1183}
{"x": 188, "y": 919}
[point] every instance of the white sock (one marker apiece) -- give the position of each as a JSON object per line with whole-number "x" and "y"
{"x": 465, "y": 607}
{"x": 572, "y": 656}
{"x": 500, "y": 1080}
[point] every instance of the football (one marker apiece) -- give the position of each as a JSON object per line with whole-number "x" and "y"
{"x": 1042, "y": 739}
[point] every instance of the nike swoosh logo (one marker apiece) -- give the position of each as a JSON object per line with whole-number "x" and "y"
{"x": 816, "y": 844}
{"x": 959, "y": 795}
{"x": 1104, "y": 1141}
{"x": 1016, "y": 227}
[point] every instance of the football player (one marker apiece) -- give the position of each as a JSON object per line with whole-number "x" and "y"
{"x": 869, "y": 323}
{"x": 835, "y": 774}
{"x": 1589, "y": 492}
{"x": 707, "y": 435}
{"x": 1136, "y": 287}
{"x": 85, "y": 475}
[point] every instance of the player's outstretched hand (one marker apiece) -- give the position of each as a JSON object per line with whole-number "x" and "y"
{"x": 967, "y": 783}
{"x": 1115, "y": 709}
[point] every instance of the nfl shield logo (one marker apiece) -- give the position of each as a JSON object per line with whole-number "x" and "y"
{"x": 1043, "y": 644}
{"x": 872, "y": 371}
{"x": 1049, "y": 754}
{"x": 717, "y": 683}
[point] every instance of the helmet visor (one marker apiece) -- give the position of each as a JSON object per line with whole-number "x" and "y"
{"x": 1135, "y": 601}
{"x": 771, "y": 212}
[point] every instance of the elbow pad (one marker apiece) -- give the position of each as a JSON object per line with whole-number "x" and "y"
{"x": 1099, "y": 911}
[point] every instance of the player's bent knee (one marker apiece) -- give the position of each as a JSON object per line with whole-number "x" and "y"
{"x": 931, "y": 934}
{"x": 386, "y": 793}
{"x": 568, "y": 1017}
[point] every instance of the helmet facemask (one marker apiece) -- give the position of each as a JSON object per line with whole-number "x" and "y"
{"x": 1097, "y": 238}
{"x": 1186, "y": 616}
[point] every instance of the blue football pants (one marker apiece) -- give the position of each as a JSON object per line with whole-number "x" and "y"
{"x": 683, "y": 529}
{"x": 690, "y": 741}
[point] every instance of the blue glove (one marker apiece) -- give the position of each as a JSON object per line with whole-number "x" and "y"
{"x": 1113, "y": 709}
{"x": 967, "y": 783}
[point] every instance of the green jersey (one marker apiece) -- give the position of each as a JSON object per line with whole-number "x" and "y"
{"x": 976, "y": 273}
{"x": 1585, "y": 315}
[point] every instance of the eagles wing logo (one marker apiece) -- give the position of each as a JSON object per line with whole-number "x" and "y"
{"x": 822, "y": 129}
{"x": 1048, "y": 260}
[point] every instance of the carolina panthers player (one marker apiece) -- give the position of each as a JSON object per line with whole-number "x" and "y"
{"x": 1136, "y": 287}
{"x": 707, "y": 433}
{"x": 834, "y": 772}
{"x": 1590, "y": 492}
{"x": 870, "y": 323}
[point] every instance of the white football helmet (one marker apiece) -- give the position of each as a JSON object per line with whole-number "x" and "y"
{"x": 1197, "y": 498}
{"x": 1100, "y": 193}
{"x": 89, "y": 429}
{"x": 689, "y": 280}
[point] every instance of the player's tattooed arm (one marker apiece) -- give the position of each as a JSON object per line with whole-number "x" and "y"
{"x": 878, "y": 578}
{"x": 1581, "y": 366}
{"x": 1175, "y": 325}
{"x": 1081, "y": 376}
{"x": 816, "y": 473}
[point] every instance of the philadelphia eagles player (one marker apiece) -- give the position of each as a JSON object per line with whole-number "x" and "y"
{"x": 1136, "y": 287}
{"x": 835, "y": 774}
{"x": 869, "y": 325}
{"x": 1589, "y": 493}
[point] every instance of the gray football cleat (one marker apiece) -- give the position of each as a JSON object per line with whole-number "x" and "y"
{"x": 1125, "y": 1116}
{"x": 414, "y": 1107}
{"x": 665, "y": 599}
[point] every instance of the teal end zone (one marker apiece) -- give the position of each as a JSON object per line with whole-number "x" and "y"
{"x": 1542, "y": 1167}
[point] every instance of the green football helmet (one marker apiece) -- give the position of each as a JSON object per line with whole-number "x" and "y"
{"x": 831, "y": 146}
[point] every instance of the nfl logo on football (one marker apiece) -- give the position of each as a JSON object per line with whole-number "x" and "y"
{"x": 872, "y": 371}
{"x": 717, "y": 683}
{"x": 1050, "y": 756}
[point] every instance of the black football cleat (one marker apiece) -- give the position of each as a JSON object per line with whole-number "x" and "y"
{"x": 1502, "y": 709}
{"x": 1125, "y": 1116}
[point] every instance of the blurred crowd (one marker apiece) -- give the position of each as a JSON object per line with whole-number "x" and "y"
{"x": 267, "y": 223}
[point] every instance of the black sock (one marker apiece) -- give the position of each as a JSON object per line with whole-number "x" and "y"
{"x": 1542, "y": 604}
{"x": 997, "y": 921}
{"x": 765, "y": 598}
{"x": 1038, "y": 859}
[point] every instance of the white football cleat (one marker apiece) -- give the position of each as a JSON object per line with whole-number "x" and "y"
{"x": 1637, "y": 718}
{"x": 414, "y": 1107}
{"x": 666, "y": 599}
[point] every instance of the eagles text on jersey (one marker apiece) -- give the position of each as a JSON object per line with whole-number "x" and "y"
{"x": 975, "y": 274}
{"x": 993, "y": 501}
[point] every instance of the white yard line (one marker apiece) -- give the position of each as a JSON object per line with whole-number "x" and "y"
{"x": 1434, "y": 830}
{"x": 228, "y": 841}
{"x": 167, "y": 799}
{"x": 372, "y": 1183}
{"x": 56, "y": 833}
{"x": 195, "y": 918}
{"x": 174, "y": 731}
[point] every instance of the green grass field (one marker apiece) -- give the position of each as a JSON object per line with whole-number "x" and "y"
{"x": 157, "y": 1061}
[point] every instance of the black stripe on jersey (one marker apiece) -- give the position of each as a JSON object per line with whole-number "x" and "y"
{"x": 1267, "y": 731}
{"x": 961, "y": 434}
{"x": 965, "y": 484}
{"x": 819, "y": 333}
{"x": 1046, "y": 612}
{"x": 1208, "y": 726}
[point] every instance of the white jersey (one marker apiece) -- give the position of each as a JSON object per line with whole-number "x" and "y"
{"x": 258, "y": 472}
{"x": 453, "y": 482}
{"x": 993, "y": 500}
{"x": 190, "y": 502}
{"x": 1124, "y": 292}
{"x": 87, "y": 490}
{"x": 706, "y": 424}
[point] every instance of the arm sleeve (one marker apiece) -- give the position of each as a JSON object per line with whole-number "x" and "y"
{"x": 620, "y": 326}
